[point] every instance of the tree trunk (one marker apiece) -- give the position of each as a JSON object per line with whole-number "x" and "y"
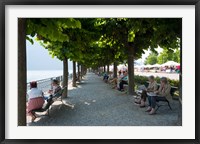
{"x": 81, "y": 72}
{"x": 104, "y": 68}
{"x": 65, "y": 77}
{"x": 22, "y": 72}
{"x": 74, "y": 74}
{"x": 84, "y": 70}
{"x": 78, "y": 72}
{"x": 99, "y": 69}
{"x": 115, "y": 69}
{"x": 130, "y": 69}
{"x": 108, "y": 70}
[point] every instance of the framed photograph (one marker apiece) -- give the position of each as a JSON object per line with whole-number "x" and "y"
{"x": 95, "y": 112}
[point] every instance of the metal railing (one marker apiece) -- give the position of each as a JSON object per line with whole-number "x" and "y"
{"x": 45, "y": 84}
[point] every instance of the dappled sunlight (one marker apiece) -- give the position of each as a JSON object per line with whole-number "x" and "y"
{"x": 86, "y": 103}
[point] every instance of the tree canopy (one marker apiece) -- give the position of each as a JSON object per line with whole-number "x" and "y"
{"x": 96, "y": 42}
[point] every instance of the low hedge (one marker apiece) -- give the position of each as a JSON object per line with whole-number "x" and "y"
{"x": 143, "y": 79}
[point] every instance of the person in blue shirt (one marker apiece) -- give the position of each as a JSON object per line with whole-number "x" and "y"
{"x": 124, "y": 80}
{"x": 105, "y": 77}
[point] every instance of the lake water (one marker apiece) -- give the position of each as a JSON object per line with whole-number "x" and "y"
{"x": 34, "y": 75}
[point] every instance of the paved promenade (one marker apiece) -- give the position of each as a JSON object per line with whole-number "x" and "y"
{"x": 97, "y": 104}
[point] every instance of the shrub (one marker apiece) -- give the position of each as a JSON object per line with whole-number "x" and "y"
{"x": 140, "y": 79}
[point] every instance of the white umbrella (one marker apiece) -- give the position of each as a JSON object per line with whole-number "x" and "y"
{"x": 170, "y": 63}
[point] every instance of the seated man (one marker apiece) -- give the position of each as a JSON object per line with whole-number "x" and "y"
{"x": 162, "y": 94}
{"x": 152, "y": 87}
{"x": 124, "y": 80}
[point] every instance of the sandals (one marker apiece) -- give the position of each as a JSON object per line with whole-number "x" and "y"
{"x": 152, "y": 112}
{"x": 33, "y": 118}
{"x": 148, "y": 109}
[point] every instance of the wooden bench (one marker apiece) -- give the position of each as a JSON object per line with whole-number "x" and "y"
{"x": 164, "y": 100}
{"x": 46, "y": 107}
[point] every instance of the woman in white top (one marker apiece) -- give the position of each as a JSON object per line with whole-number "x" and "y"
{"x": 35, "y": 99}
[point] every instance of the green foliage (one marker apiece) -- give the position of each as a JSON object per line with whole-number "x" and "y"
{"x": 96, "y": 42}
{"x": 50, "y": 28}
{"x": 174, "y": 83}
{"x": 167, "y": 55}
{"x": 140, "y": 79}
{"x": 30, "y": 40}
{"x": 176, "y": 56}
{"x": 151, "y": 59}
{"x": 167, "y": 32}
{"x": 131, "y": 36}
{"x": 164, "y": 56}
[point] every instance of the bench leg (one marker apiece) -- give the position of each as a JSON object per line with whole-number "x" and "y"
{"x": 158, "y": 106}
{"x": 169, "y": 105}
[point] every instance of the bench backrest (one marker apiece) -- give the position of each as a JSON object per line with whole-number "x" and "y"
{"x": 60, "y": 92}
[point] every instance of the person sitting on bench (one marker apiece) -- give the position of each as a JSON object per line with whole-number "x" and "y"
{"x": 35, "y": 99}
{"x": 124, "y": 80}
{"x": 163, "y": 93}
{"x": 116, "y": 80}
{"x": 55, "y": 88}
{"x": 152, "y": 87}
{"x": 105, "y": 77}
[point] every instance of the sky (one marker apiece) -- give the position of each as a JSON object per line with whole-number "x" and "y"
{"x": 38, "y": 58}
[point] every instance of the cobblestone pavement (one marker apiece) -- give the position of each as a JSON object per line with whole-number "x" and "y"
{"x": 97, "y": 104}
